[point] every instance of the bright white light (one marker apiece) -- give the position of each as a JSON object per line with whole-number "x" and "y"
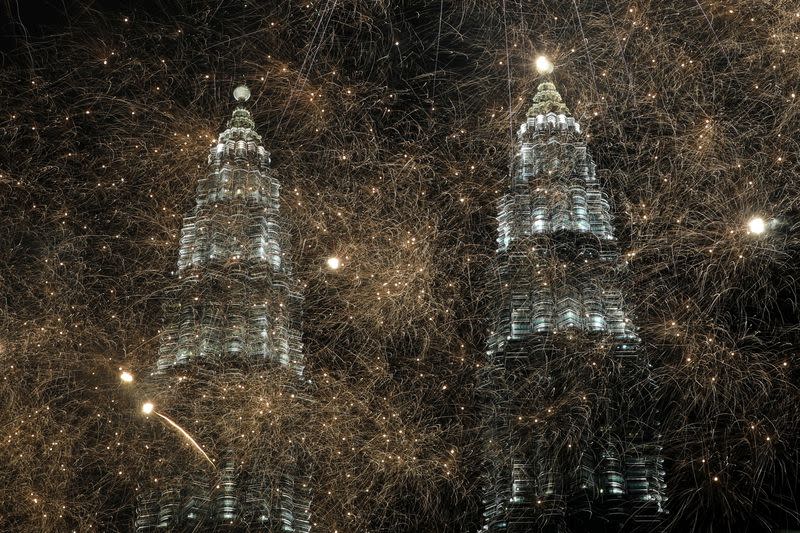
{"x": 147, "y": 408}
{"x": 544, "y": 65}
{"x": 333, "y": 263}
{"x": 241, "y": 93}
{"x": 757, "y": 225}
{"x": 127, "y": 377}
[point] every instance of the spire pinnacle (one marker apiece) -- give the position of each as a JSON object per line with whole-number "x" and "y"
{"x": 241, "y": 93}
{"x": 241, "y": 116}
{"x": 544, "y": 65}
{"x": 546, "y": 100}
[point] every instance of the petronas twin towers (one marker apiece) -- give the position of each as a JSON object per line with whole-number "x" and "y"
{"x": 563, "y": 347}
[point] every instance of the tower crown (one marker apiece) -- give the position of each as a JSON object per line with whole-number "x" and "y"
{"x": 241, "y": 125}
{"x": 547, "y": 100}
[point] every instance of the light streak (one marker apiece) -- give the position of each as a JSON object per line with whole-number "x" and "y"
{"x": 148, "y": 408}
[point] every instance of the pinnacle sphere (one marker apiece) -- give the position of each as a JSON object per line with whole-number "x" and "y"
{"x": 757, "y": 225}
{"x": 544, "y": 65}
{"x": 241, "y": 93}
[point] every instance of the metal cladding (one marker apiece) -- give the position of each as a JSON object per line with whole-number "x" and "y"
{"x": 559, "y": 302}
{"x": 236, "y": 308}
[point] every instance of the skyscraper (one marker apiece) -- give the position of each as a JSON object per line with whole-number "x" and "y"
{"x": 571, "y": 438}
{"x": 234, "y": 309}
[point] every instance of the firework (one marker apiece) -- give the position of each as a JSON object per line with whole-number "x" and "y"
{"x": 390, "y": 128}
